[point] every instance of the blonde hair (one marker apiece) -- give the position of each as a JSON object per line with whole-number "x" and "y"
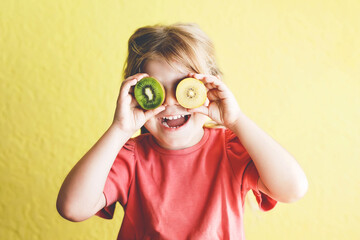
{"x": 180, "y": 43}
{"x": 183, "y": 43}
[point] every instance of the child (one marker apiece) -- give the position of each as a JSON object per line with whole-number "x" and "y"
{"x": 181, "y": 180}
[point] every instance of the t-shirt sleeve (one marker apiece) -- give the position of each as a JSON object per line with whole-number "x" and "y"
{"x": 245, "y": 171}
{"x": 119, "y": 180}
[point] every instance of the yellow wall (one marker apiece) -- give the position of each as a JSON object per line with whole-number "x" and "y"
{"x": 294, "y": 67}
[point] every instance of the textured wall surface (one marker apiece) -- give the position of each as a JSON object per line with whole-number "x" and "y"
{"x": 293, "y": 65}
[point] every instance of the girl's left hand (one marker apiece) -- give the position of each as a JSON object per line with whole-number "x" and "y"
{"x": 222, "y": 106}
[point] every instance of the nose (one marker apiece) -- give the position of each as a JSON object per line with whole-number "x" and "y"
{"x": 170, "y": 97}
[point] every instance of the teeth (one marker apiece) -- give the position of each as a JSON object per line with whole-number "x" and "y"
{"x": 165, "y": 124}
{"x": 173, "y": 117}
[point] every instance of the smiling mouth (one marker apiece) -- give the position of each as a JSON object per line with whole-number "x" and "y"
{"x": 175, "y": 121}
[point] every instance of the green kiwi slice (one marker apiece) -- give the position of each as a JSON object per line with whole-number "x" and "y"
{"x": 149, "y": 93}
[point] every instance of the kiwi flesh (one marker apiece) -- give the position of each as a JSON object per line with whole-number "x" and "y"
{"x": 149, "y": 93}
{"x": 191, "y": 93}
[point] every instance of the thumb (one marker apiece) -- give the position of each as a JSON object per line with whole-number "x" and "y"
{"x": 203, "y": 110}
{"x": 153, "y": 112}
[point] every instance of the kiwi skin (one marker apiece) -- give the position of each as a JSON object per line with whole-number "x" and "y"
{"x": 147, "y": 88}
{"x": 189, "y": 85}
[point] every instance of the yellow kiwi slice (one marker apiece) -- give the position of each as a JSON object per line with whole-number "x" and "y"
{"x": 149, "y": 93}
{"x": 191, "y": 93}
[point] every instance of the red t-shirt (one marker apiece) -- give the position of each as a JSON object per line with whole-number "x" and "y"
{"x": 193, "y": 193}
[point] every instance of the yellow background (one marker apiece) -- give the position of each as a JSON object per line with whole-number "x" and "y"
{"x": 294, "y": 67}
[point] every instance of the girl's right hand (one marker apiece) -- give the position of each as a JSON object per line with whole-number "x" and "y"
{"x": 129, "y": 116}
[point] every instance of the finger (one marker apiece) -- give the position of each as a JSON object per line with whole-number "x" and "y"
{"x": 134, "y": 103}
{"x": 126, "y": 86}
{"x": 153, "y": 112}
{"x": 191, "y": 74}
{"x": 197, "y": 75}
{"x": 219, "y": 89}
{"x": 200, "y": 76}
{"x": 209, "y": 86}
{"x": 210, "y": 81}
{"x": 214, "y": 82}
{"x": 213, "y": 95}
{"x": 137, "y": 76}
{"x": 203, "y": 110}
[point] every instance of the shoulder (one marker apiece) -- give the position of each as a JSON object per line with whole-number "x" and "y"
{"x": 223, "y": 133}
{"x": 216, "y": 131}
{"x": 142, "y": 143}
{"x": 133, "y": 145}
{"x": 233, "y": 146}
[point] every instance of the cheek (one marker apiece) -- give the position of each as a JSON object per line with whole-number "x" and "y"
{"x": 151, "y": 124}
{"x": 201, "y": 118}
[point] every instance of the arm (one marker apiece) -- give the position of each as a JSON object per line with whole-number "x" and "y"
{"x": 81, "y": 194}
{"x": 280, "y": 175}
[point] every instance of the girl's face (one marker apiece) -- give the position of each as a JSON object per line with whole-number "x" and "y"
{"x": 173, "y": 128}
